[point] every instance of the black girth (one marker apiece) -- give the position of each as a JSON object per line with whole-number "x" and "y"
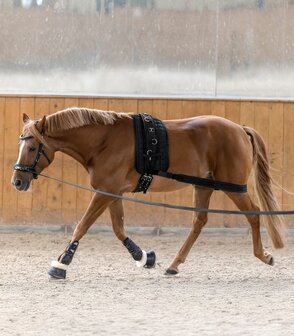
{"x": 151, "y": 154}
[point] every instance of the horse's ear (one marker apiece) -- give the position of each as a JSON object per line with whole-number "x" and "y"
{"x": 25, "y": 118}
{"x": 41, "y": 125}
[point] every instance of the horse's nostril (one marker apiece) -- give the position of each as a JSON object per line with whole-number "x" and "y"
{"x": 17, "y": 183}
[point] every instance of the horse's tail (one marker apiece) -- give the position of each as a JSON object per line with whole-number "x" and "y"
{"x": 263, "y": 185}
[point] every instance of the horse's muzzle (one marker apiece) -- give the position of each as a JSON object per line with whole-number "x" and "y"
{"x": 20, "y": 184}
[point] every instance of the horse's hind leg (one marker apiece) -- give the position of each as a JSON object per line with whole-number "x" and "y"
{"x": 202, "y": 197}
{"x": 244, "y": 203}
{"x": 142, "y": 258}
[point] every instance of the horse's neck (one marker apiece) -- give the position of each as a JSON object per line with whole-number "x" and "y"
{"x": 79, "y": 143}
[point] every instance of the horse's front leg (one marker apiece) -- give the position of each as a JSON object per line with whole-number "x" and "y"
{"x": 96, "y": 207}
{"x": 142, "y": 258}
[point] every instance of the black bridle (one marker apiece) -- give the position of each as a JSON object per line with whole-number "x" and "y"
{"x": 31, "y": 169}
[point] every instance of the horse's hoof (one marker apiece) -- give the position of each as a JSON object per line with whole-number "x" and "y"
{"x": 57, "y": 273}
{"x": 151, "y": 259}
{"x": 57, "y": 270}
{"x": 271, "y": 261}
{"x": 171, "y": 271}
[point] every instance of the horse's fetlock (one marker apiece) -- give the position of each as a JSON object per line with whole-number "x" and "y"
{"x": 67, "y": 256}
{"x": 180, "y": 260}
{"x": 133, "y": 249}
{"x": 258, "y": 255}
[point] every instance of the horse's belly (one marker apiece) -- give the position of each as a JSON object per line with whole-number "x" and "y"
{"x": 163, "y": 184}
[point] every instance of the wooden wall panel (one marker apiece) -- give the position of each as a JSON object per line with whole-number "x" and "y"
{"x": 275, "y": 145}
{"x": 100, "y": 104}
{"x": 2, "y": 144}
{"x": 130, "y": 105}
{"x": 51, "y": 202}
{"x": 288, "y": 158}
{"x": 11, "y": 132}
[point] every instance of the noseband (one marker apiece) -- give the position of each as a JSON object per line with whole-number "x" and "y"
{"x": 31, "y": 169}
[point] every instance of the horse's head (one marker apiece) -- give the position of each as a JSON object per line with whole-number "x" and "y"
{"x": 34, "y": 153}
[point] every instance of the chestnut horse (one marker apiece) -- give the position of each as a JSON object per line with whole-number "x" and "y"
{"x": 103, "y": 142}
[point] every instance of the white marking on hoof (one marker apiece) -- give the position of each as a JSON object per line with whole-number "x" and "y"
{"x": 57, "y": 264}
{"x": 142, "y": 262}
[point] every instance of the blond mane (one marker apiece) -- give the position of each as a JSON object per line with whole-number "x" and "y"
{"x": 76, "y": 117}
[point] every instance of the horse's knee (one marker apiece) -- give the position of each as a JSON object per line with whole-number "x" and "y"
{"x": 199, "y": 223}
{"x": 204, "y": 220}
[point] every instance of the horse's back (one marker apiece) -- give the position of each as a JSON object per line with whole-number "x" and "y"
{"x": 210, "y": 145}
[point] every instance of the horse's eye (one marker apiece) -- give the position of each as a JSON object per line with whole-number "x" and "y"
{"x": 32, "y": 149}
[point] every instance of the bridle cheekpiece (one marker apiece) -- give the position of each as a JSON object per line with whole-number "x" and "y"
{"x": 31, "y": 169}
